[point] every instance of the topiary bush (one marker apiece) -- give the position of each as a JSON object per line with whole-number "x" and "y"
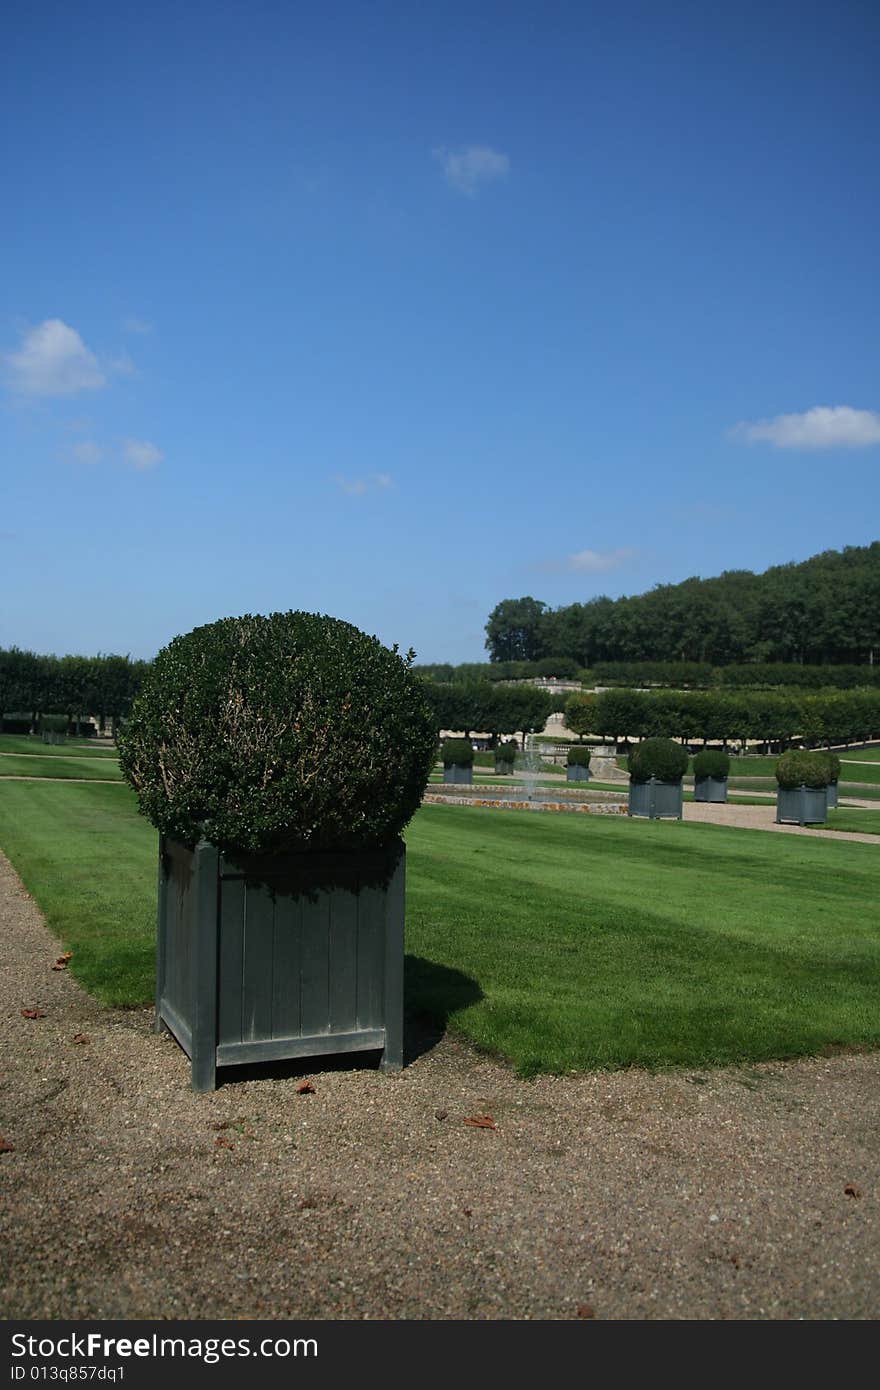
{"x": 457, "y": 751}
{"x": 833, "y": 765}
{"x": 290, "y": 732}
{"x": 578, "y": 756}
{"x": 799, "y": 768}
{"x": 712, "y": 762}
{"x": 54, "y": 723}
{"x": 506, "y": 753}
{"x": 658, "y": 757}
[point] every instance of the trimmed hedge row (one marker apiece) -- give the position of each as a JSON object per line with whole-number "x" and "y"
{"x": 832, "y": 717}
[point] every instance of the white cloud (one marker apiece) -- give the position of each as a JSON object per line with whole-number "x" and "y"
{"x": 823, "y": 427}
{"x": 139, "y": 326}
{"x": 466, "y": 169}
{"x": 356, "y": 487}
{"x": 87, "y": 452}
{"x": 598, "y": 561}
{"x": 141, "y": 454}
{"x": 53, "y": 361}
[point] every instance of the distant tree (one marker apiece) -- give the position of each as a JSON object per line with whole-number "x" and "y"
{"x": 514, "y": 631}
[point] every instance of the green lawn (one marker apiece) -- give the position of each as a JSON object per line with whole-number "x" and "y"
{"x": 74, "y": 747}
{"x": 863, "y": 821}
{"x": 861, "y": 755}
{"x": 12, "y": 765}
{"x": 561, "y": 942}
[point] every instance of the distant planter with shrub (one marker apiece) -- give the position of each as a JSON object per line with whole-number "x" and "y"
{"x": 505, "y": 756}
{"x": 53, "y": 728}
{"x": 803, "y": 779}
{"x": 458, "y": 760}
{"x": 656, "y": 767}
{"x": 831, "y": 795}
{"x": 711, "y": 769}
{"x": 279, "y": 757}
{"x": 577, "y": 763}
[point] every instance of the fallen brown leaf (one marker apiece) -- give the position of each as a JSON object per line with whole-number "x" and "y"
{"x": 81, "y": 1038}
{"x": 481, "y": 1121}
{"x": 585, "y": 1311}
{"x": 5, "y": 1146}
{"x": 33, "y": 1013}
{"x": 851, "y": 1190}
{"x": 305, "y": 1088}
{"x": 440, "y": 1114}
{"x": 221, "y": 1142}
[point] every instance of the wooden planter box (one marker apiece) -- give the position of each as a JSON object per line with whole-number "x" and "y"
{"x": 655, "y": 800}
{"x": 458, "y": 772}
{"x": 575, "y": 772}
{"x": 270, "y": 960}
{"x": 801, "y": 805}
{"x": 710, "y": 789}
{"x": 831, "y": 796}
{"x": 504, "y": 769}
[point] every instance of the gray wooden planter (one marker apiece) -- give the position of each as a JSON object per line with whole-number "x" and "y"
{"x": 576, "y": 772}
{"x": 710, "y": 789}
{"x": 458, "y": 772}
{"x": 801, "y": 805}
{"x": 504, "y": 769}
{"x": 831, "y": 796}
{"x": 656, "y": 800}
{"x": 263, "y": 961}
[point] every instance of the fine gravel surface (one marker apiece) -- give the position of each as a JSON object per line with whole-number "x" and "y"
{"x": 762, "y": 818}
{"x": 748, "y": 1192}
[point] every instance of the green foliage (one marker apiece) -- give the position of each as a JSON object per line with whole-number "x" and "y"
{"x": 712, "y": 762}
{"x": 658, "y": 757}
{"x": 578, "y": 755}
{"x": 834, "y": 764}
{"x": 289, "y": 732}
{"x": 823, "y": 612}
{"x": 579, "y": 714}
{"x": 799, "y": 768}
{"x": 482, "y": 707}
{"x": 457, "y": 752}
{"x": 506, "y": 753}
{"x": 53, "y": 723}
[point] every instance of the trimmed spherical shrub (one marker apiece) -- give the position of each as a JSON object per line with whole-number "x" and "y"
{"x": 283, "y": 733}
{"x": 662, "y": 758}
{"x": 833, "y": 765}
{"x": 578, "y": 756}
{"x": 505, "y": 753}
{"x": 799, "y": 768}
{"x": 457, "y": 751}
{"x": 712, "y": 762}
{"x": 54, "y": 723}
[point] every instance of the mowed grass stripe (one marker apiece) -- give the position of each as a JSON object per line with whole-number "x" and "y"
{"x": 106, "y": 769}
{"x": 560, "y": 942}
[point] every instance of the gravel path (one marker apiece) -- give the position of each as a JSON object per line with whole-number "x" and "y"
{"x": 742, "y": 1193}
{"x": 762, "y": 818}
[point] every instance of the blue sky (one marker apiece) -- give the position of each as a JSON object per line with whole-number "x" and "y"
{"x": 392, "y": 311}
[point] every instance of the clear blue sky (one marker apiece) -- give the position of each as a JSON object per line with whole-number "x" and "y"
{"x": 392, "y": 311}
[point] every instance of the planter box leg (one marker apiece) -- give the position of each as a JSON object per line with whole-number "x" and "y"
{"x": 204, "y": 1033}
{"x": 158, "y": 1025}
{"x": 392, "y": 1056}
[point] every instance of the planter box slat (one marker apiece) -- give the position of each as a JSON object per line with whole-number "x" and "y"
{"x": 229, "y": 1021}
{"x": 343, "y": 963}
{"x": 258, "y": 934}
{"x": 317, "y": 1045}
{"x": 315, "y": 965}
{"x": 371, "y": 929}
{"x": 178, "y": 1027}
{"x": 286, "y": 1002}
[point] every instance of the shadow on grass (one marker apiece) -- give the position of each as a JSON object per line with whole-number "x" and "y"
{"x": 432, "y": 994}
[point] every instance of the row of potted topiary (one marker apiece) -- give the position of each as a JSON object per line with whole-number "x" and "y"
{"x": 807, "y": 781}
{"x": 457, "y": 756}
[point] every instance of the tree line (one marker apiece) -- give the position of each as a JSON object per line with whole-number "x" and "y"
{"x": 32, "y": 685}
{"x": 770, "y": 717}
{"x": 822, "y": 611}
